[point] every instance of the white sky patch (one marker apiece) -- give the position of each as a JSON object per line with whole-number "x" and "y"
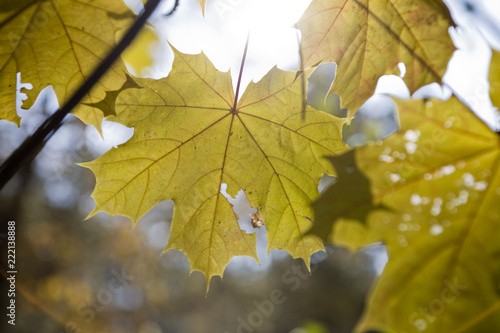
{"x": 436, "y": 229}
{"x": 469, "y": 181}
{"x": 436, "y": 206}
{"x": 222, "y": 33}
{"x": 411, "y": 147}
{"x": 378, "y": 253}
{"x": 385, "y": 156}
{"x": 444, "y": 171}
{"x": 273, "y": 40}
{"x": 412, "y": 135}
{"x": 115, "y": 134}
{"x": 415, "y": 199}
{"x": 481, "y": 185}
{"x": 394, "y": 177}
{"x": 456, "y": 201}
{"x": 433, "y": 90}
{"x": 467, "y": 73}
{"x": 392, "y": 85}
{"x": 402, "y": 69}
{"x": 448, "y": 170}
{"x": 243, "y": 209}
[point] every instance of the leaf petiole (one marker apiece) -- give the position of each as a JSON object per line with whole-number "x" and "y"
{"x": 234, "y": 110}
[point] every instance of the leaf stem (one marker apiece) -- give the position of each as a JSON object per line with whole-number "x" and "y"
{"x": 34, "y": 143}
{"x": 302, "y": 77}
{"x": 236, "y": 95}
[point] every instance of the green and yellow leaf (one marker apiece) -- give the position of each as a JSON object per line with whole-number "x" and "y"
{"x": 190, "y": 138}
{"x": 440, "y": 177}
{"x": 58, "y": 43}
{"x": 368, "y": 38}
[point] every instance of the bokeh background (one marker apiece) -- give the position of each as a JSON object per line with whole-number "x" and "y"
{"x": 106, "y": 275}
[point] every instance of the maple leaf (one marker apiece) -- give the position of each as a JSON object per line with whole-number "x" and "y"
{"x": 440, "y": 176}
{"x": 191, "y": 137}
{"x": 368, "y": 38}
{"x": 58, "y": 43}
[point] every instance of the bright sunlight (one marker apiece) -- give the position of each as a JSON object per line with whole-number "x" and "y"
{"x": 223, "y": 33}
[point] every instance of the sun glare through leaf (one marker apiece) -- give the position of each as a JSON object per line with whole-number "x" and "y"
{"x": 268, "y": 24}
{"x": 222, "y": 33}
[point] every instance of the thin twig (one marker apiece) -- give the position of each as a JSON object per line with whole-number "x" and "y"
{"x": 176, "y": 4}
{"x": 33, "y": 144}
{"x": 302, "y": 75}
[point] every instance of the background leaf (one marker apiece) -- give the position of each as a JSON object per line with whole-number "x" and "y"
{"x": 139, "y": 54}
{"x": 190, "y": 139}
{"x": 59, "y": 43}
{"x": 368, "y": 38}
{"x": 440, "y": 176}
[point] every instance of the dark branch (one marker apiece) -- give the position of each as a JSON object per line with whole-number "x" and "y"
{"x": 33, "y": 144}
{"x": 173, "y": 9}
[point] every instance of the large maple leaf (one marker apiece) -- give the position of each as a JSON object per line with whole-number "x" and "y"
{"x": 440, "y": 176}
{"x": 191, "y": 136}
{"x": 58, "y": 43}
{"x": 368, "y": 38}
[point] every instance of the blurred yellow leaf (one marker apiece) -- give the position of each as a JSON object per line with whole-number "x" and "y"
{"x": 58, "y": 43}
{"x": 138, "y": 54}
{"x": 440, "y": 176}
